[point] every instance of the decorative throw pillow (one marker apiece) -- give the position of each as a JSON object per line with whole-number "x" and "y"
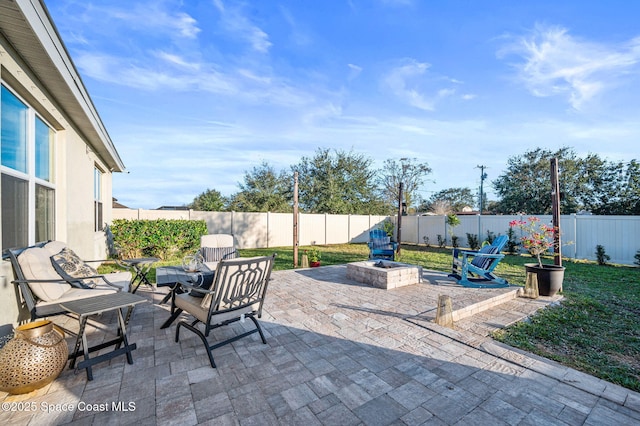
{"x": 73, "y": 269}
{"x": 215, "y": 254}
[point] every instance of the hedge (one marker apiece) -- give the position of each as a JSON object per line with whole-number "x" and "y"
{"x": 165, "y": 239}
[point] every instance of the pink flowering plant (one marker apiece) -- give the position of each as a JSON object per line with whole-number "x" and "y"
{"x": 538, "y": 238}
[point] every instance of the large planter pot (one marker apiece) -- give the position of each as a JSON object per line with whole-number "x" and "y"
{"x": 33, "y": 358}
{"x": 550, "y": 277}
{"x": 314, "y": 264}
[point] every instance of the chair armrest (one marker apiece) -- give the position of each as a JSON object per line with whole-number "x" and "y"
{"x": 102, "y": 277}
{"x": 62, "y": 281}
{"x": 195, "y": 288}
{"x": 226, "y": 256}
{"x": 489, "y": 255}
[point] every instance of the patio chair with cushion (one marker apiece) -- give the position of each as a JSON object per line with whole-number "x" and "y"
{"x": 237, "y": 293}
{"x": 475, "y": 268}
{"x": 49, "y": 274}
{"x": 381, "y": 246}
{"x": 216, "y": 247}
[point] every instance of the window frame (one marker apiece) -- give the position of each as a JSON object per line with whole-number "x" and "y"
{"x": 98, "y": 218}
{"x": 30, "y": 175}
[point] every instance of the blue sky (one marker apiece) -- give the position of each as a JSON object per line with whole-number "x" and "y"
{"x": 195, "y": 93}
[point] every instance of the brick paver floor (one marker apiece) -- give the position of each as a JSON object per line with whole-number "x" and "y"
{"x": 337, "y": 353}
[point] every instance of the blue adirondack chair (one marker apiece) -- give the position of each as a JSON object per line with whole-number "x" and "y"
{"x": 475, "y": 268}
{"x": 381, "y": 246}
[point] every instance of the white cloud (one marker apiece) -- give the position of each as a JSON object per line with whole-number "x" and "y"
{"x": 177, "y": 60}
{"x": 354, "y": 71}
{"x": 556, "y": 63}
{"x": 411, "y": 83}
{"x": 238, "y": 25}
{"x": 400, "y": 81}
{"x": 152, "y": 16}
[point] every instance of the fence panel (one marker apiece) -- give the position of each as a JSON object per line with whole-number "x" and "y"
{"x": 337, "y": 228}
{"x": 217, "y": 222}
{"x": 312, "y": 229}
{"x": 620, "y": 235}
{"x": 280, "y": 230}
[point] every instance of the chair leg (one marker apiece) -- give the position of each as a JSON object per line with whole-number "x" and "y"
{"x": 255, "y": 321}
{"x": 200, "y": 335}
{"x": 172, "y": 318}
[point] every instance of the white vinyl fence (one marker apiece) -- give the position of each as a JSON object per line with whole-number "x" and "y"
{"x": 619, "y": 235}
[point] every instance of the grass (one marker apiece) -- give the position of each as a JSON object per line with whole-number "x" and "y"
{"x": 596, "y": 329}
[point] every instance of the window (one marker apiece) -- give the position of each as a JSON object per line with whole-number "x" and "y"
{"x": 97, "y": 196}
{"x": 28, "y": 192}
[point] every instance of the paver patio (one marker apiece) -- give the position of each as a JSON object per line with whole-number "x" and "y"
{"x": 338, "y": 353}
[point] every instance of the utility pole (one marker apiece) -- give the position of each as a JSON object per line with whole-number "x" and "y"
{"x": 483, "y": 176}
{"x": 295, "y": 219}
{"x": 399, "y": 231}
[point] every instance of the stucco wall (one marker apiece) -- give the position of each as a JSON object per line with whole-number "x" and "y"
{"x": 73, "y": 176}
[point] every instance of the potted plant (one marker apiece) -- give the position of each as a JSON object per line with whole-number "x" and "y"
{"x": 313, "y": 254}
{"x": 539, "y": 239}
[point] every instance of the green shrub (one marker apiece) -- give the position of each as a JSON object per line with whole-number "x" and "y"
{"x": 490, "y": 237}
{"x": 601, "y": 256}
{"x": 388, "y": 227}
{"x": 165, "y": 239}
{"x": 512, "y": 244}
{"x": 472, "y": 241}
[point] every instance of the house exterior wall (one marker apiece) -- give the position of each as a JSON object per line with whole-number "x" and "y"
{"x": 74, "y": 160}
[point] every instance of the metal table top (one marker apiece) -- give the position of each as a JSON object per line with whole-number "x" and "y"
{"x": 103, "y": 303}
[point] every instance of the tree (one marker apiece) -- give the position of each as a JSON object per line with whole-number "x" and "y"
{"x": 526, "y": 185}
{"x": 588, "y": 183}
{"x": 456, "y": 198}
{"x": 264, "y": 190}
{"x": 209, "y": 201}
{"x": 409, "y": 172}
{"x": 337, "y": 182}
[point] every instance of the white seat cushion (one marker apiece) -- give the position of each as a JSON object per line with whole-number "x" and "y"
{"x": 217, "y": 240}
{"x": 54, "y": 247}
{"x": 36, "y": 264}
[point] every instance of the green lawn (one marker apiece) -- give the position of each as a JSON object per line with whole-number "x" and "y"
{"x": 596, "y": 329}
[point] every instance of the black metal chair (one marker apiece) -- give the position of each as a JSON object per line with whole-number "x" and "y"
{"x": 237, "y": 293}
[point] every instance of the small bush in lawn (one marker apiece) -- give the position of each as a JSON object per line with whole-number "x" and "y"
{"x": 441, "y": 241}
{"x": 472, "y": 241}
{"x": 601, "y": 256}
{"x": 490, "y": 237}
{"x": 512, "y": 244}
{"x": 637, "y": 256}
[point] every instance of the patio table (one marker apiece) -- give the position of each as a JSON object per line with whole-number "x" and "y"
{"x": 172, "y": 276}
{"x": 141, "y": 267}
{"x": 97, "y": 305}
